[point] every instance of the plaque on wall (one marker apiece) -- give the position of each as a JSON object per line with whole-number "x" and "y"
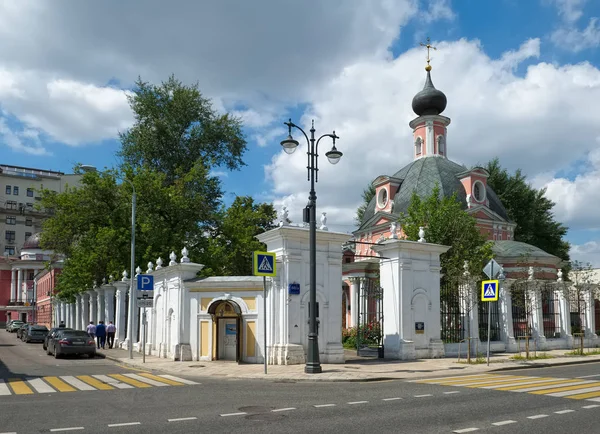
{"x": 294, "y": 289}
{"x": 419, "y": 328}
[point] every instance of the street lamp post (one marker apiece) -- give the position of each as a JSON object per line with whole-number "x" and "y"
{"x": 132, "y": 291}
{"x": 313, "y": 365}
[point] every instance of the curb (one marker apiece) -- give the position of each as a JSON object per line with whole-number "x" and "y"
{"x": 547, "y": 365}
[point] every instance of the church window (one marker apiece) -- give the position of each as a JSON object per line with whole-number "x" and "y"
{"x": 478, "y": 191}
{"x": 440, "y": 145}
{"x": 382, "y": 198}
{"x": 418, "y": 145}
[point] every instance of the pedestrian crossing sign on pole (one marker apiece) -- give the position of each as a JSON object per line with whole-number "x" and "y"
{"x": 489, "y": 290}
{"x": 264, "y": 264}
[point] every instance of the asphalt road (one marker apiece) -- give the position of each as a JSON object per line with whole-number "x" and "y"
{"x": 219, "y": 405}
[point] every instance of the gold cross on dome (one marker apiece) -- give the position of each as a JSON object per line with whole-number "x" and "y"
{"x": 429, "y": 47}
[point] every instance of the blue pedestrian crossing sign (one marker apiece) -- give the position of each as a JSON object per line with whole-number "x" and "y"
{"x": 489, "y": 290}
{"x": 264, "y": 264}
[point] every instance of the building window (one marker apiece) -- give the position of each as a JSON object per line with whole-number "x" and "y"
{"x": 10, "y": 236}
{"x": 382, "y": 198}
{"x": 418, "y": 145}
{"x": 28, "y": 222}
{"x": 11, "y": 220}
{"x": 27, "y": 235}
{"x": 8, "y": 189}
{"x": 30, "y": 275}
{"x": 9, "y": 250}
{"x": 11, "y": 204}
{"x": 478, "y": 191}
{"x": 30, "y": 192}
{"x": 15, "y": 190}
{"x": 29, "y": 206}
{"x": 440, "y": 144}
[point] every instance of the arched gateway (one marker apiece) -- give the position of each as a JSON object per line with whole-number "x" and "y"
{"x": 227, "y": 325}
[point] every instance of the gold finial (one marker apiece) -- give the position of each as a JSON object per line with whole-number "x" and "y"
{"x": 429, "y": 47}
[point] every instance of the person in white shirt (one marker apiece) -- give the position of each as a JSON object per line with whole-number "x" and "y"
{"x": 110, "y": 334}
{"x": 91, "y": 329}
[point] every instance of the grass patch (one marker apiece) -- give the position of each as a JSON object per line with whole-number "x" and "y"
{"x": 539, "y": 356}
{"x": 594, "y": 352}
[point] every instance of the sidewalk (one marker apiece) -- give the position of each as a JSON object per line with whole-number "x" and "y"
{"x": 355, "y": 368}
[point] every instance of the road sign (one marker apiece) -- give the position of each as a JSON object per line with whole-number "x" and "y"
{"x": 492, "y": 269}
{"x": 264, "y": 264}
{"x": 145, "y": 302}
{"x": 145, "y": 282}
{"x": 489, "y": 290}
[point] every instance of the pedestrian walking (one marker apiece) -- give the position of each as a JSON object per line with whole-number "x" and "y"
{"x": 110, "y": 334}
{"x": 101, "y": 334}
{"x": 91, "y": 330}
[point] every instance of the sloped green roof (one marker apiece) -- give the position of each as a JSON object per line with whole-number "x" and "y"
{"x": 518, "y": 249}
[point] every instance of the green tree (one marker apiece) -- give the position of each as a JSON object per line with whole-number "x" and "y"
{"x": 367, "y": 194}
{"x": 530, "y": 209}
{"x": 446, "y": 223}
{"x": 232, "y": 242}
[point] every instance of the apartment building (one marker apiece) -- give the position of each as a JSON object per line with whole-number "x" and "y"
{"x": 20, "y": 214}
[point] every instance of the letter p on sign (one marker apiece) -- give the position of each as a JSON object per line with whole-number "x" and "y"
{"x": 145, "y": 282}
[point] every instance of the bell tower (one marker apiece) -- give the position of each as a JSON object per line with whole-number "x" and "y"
{"x": 430, "y": 128}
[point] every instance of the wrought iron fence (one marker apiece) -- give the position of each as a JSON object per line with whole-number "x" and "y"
{"x": 521, "y": 310}
{"x": 369, "y": 337}
{"x": 550, "y": 311}
{"x": 492, "y": 307}
{"x": 451, "y": 313}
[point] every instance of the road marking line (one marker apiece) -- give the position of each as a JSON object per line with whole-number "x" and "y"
{"x": 496, "y": 383}
{"x": 537, "y": 416}
{"x": 504, "y": 422}
{"x": 458, "y": 431}
{"x": 564, "y": 411}
{"x": 324, "y": 405}
{"x": 423, "y": 396}
{"x": 451, "y": 393}
{"x": 39, "y": 385}
{"x": 594, "y": 399}
{"x": 179, "y": 419}
{"x": 131, "y": 381}
{"x": 557, "y": 390}
{"x": 523, "y": 384}
{"x": 112, "y": 425}
{"x": 19, "y": 387}
{"x": 106, "y": 379}
{"x": 241, "y": 413}
{"x": 390, "y": 399}
{"x": 589, "y": 376}
{"x": 146, "y": 380}
{"x": 591, "y": 406}
{"x": 549, "y": 386}
{"x": 77, "y": 383}
{"x": 160, "y": 379}
{"x": 73, "y": 428}
{"x": 95, "y": 383}
{"x": 357, "y": 402}
{"x": 59, "y": 385}
{"x": 283, "y": 409}
{"x": 180, "y": 380}
{"x": 458, "y": 377}
{"x": 4, "y": 390}
{"x": 8, "y": 433}
{"x": 591, "y": 392}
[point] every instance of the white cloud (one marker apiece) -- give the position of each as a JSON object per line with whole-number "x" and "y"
{"x": 18, "y": 140}
{"x": 537, "y": 122}
{"x": 587, "y": 253}
{"x": 569, "y": 35}
{"x": 570, "y": 10}
{"x": 438, "y": 10}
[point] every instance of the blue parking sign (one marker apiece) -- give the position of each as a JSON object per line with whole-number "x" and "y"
{"x": 145, "y": 282}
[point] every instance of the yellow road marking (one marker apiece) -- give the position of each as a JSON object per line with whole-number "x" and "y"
{"x": 501, "y": 383}
{"x": 133, "y": 369}
{"x": 584, "y": 395}
{"x": 19, "y": 387}
{"x": 128, "y": 380}
{"x": 540, "y": 384}
{"x": 564, "y": 389}
{"x": 463, "y": 378}
{"x": 161, "y": 379}
{"x": 95, "y": 383}
{"x": 482, "y": 381}
{"x": 59, "y": 385}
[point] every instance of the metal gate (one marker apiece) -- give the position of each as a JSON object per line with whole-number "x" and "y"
{"x": 369, "y": 334}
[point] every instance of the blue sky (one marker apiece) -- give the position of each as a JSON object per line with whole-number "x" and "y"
{"x": 522, "y": 80}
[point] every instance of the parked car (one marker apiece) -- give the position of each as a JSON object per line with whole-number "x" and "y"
{"x": 34, "y": 333}
{"x": 20, "y": 330}
{"x": 51, "y": 334}
{"x": 71, "y": 342}
{"x": 14, "y": 325}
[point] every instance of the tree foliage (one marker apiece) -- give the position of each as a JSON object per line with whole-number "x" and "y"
{"x": 367, "y": 194}
{"x": 446, "y": 223}
{"x": 530, "y": 209}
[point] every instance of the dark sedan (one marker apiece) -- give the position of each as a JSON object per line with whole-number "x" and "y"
{"x": 34, "y": 333}
{"x": 51, "y": 334}
{"x": 67, "y": 342}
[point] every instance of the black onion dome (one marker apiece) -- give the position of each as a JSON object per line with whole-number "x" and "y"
{"x": 429, "y": 101}
{"x": 33, "y": 242}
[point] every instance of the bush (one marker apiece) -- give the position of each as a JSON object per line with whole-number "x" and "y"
{"x": 370, "y": 335}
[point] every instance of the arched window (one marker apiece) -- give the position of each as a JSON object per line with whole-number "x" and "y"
{"x": 478, "y": 191}
{"x": 440, "y": 145}
{"x": 418, "y": 145}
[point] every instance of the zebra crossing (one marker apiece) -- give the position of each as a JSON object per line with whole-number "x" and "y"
{"x": 571, "y": 388}
{"x": 70, "y": 383}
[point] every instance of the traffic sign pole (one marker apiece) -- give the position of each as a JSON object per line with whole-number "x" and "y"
{"x": 265, "y": 320}
{"x": 490, "y": 318}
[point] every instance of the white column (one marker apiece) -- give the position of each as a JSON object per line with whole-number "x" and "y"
{"x": 120, "y": 314}
{"x": 537, "y": 318}
{"x": 13, "y": 285}
{"x": 77, "y": 312}
{"x": 100, "y": 300}
{"x": 63, "y": 311}
{"x": 354, "y": 282}
{"x": 93, "y": 306}
{"x": 132, "y": 334}
{"x": 109, "y": 303}
{"x": 85, "y": 310}
{"x": 590, "y": 326}
{"x": 73, "y": 315}
{"x": 19, "y": 285}
{"x": 505, "y": 305}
